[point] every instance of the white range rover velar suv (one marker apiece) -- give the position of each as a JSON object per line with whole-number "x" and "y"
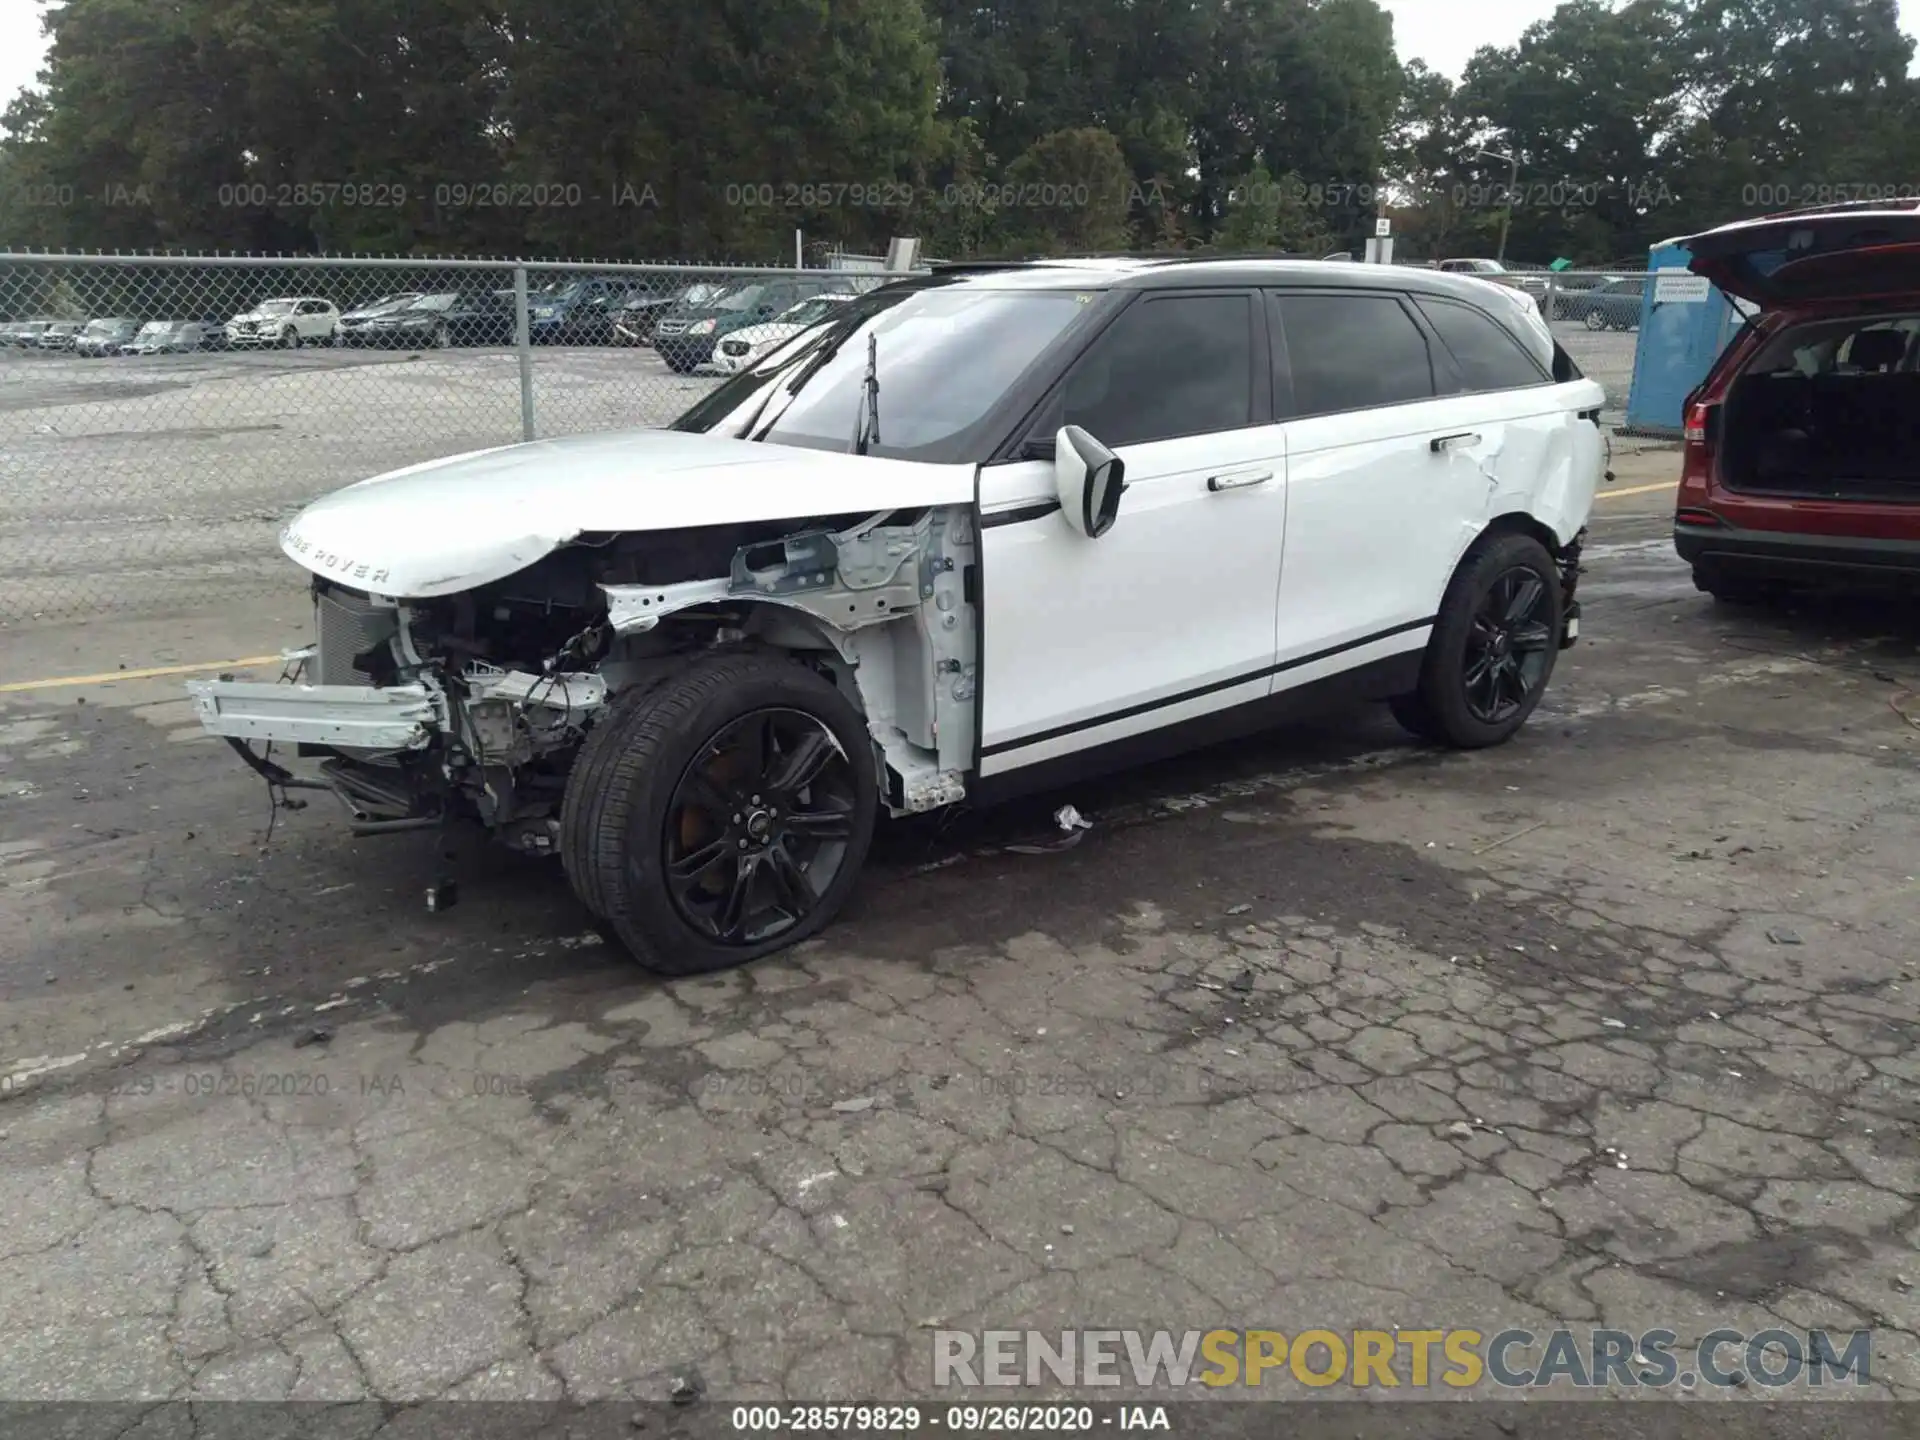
{"x": 977, "y": 533}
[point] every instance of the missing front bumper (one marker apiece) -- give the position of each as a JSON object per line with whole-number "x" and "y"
{"x": 347, "y": 717}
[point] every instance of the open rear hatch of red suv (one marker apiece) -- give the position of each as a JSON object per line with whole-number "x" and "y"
{"x": 1825, "y": 403}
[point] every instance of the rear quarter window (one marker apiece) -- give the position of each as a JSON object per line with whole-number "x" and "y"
{"x": 1489, "y": 357}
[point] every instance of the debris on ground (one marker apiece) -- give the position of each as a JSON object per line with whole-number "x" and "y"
{"x": 684, "y": 1389}
{"x": 1243, "y": 982}
{"x": 581, "y": 942}
{"x": 1461, "y": 1128}
{"x": 1784, "y": 936}
{"x": 1073, "y": 825}
{"x": 1612, "y": 1024}
{"x": 442, "y": 896}
{"x": 1238, "y": 909}
{"x": 854, "y": 1107}
{"x": 313, "y": 1037}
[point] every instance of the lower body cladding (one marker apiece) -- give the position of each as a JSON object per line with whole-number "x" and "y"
{"x": 704, "y": 726}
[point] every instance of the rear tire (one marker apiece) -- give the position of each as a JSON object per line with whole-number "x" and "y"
{"x": 1596, "y": 319}
{"x": 1493, "y": 646}
{"x": 681, "y": 830}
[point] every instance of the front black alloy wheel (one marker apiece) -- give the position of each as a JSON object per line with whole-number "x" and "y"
{"x": 758, "y": 826}
{"x": 1493, "y": 646}
{"x": 722, "y": 815}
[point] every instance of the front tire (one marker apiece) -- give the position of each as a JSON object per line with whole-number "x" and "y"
{"x": 1596, "y": 319}
{"x": 723, "y": 815}
{"x": 1493, "y": 646}
{"x": 289, "y": 339}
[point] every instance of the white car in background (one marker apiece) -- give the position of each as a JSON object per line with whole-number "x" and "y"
{"x": 745, "y": 348}
{"x": 288, "y": 322}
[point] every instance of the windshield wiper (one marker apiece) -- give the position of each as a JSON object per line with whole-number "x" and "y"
{"x": 762, "y": 422}
{"x": 866, "y": 429}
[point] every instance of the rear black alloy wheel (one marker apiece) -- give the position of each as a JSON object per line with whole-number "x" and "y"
{"x": 1596, "y": 319}
{"x": 1493, "y": 646}
{"x": 758, "y": 826}
{"x": 723, "y": 815}
{"x": 1507, "y": 646}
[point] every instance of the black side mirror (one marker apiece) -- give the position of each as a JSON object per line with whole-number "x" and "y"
{"x": 1089, "y": 479}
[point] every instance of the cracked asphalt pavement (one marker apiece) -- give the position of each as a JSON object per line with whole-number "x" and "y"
{"x": 1611, "y": 1026}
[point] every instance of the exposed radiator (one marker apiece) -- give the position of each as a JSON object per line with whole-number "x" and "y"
{"x": 347, "y": 624}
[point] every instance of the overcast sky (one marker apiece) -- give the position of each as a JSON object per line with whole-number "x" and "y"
{"x": 1441, "y": 32}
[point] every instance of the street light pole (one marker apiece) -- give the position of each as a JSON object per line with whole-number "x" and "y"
{"x": 1506, "y": 214}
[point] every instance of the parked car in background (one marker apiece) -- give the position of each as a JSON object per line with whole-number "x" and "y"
{"x": 59, "y": 335}
{"x": 167, "y": 337}
{"x": 749, "y": 346}
{"x": 1481, "y": 269}
{"x": 856, "y": 581}
{"x": 104, "y": 337}
{"x": 635, "y": 316}
{"x": 685, "y": 335}
{"x": 452, "y": 317}
{"x": 353, "y": 321}
{"x": 1569, "y": 286}
{"x": 1801, "y": 461}
{"x": 288, "y": 322}
{"x": 22, "y": 333}
{"x": 1614, "y": 305}
{"x": 576, "y": 312}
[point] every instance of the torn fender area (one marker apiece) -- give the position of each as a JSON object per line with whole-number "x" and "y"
{"x": 866, "y": 575}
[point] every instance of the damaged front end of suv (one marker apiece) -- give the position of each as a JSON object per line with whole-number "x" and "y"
{"x": 474, "y": 706}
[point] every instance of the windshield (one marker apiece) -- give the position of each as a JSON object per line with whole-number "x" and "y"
{"x": 558, "y": 290}
{"x": 274, "y": 307}
{"x": 157, "y": 327}
{"x": 741, "y": 297}
{"x": 947, "y": 355}
{"x": 808, "y": 311}
{"x": 434, "y": 303}
{"x": 104, "y": 327}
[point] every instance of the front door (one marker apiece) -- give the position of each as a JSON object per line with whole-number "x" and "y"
{"x": 1168, "y": 617}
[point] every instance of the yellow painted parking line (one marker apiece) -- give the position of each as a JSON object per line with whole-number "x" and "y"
{"x": 1637, "y": 490}
{"x": 18, "y": 685}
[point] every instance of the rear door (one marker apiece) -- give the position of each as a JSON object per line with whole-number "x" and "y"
{"x": 1410, "y": 423}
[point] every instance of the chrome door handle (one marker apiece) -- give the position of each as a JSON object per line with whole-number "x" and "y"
{"x": 1238, "y": 480}
{"x": 1446, "y": 442}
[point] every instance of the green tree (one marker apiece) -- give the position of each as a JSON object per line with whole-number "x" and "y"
{"x": 1069, "y": 194}
{"x": 1265, "y": 212}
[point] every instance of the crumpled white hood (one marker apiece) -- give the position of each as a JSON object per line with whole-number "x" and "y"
{"x": 450, "y": 525}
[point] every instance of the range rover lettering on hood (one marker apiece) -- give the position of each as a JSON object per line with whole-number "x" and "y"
{"x": 449, "y": 525}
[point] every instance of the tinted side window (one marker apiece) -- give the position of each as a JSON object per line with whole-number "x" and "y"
{"x": 1170, "y": 366}
{"x": 1353, "y": 352}
{"x": 1489, "y": 358}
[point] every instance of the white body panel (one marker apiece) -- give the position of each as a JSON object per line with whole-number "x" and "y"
{"x": 1378, "y": 518}
{"x": 450, "y": 525}
{"x": 1182, "y": 588}
{"x": 1212, "y": 599}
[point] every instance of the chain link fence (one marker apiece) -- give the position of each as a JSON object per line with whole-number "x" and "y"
{"x": 161, "y": 417}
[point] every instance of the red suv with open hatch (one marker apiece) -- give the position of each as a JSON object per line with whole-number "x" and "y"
{"x": 1802, "y": 457}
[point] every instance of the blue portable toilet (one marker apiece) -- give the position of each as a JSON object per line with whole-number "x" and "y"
{"x": 1684, "y": 325}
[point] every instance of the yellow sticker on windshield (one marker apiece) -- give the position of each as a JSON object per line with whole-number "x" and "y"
{"x": 1082, "y": 299}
